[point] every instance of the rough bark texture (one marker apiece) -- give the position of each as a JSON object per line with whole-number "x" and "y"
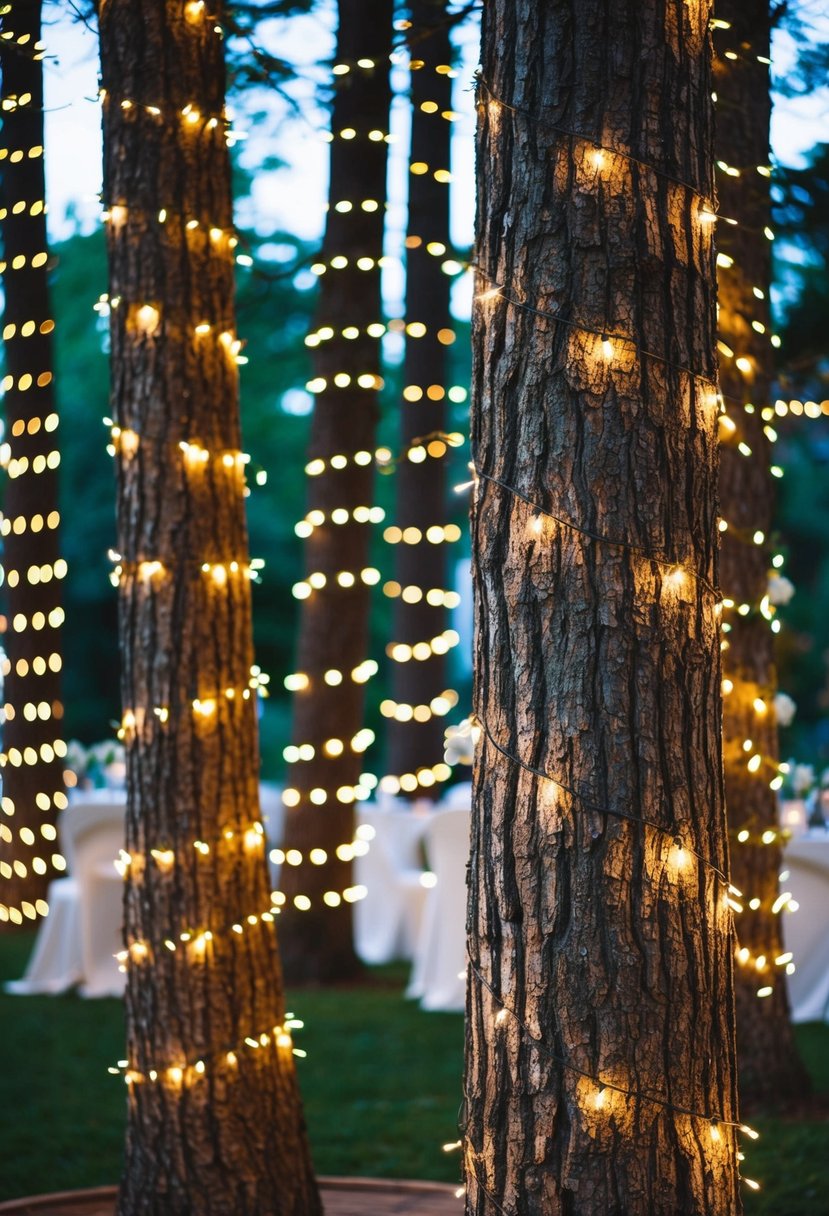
{"x": 770, "y": 1068}
{"x": 600, "y": 955}
{"x": 421, "y": 486}
{"x": 333, "y": 636}
{"x": 214, "y": 1124}
{"x": 33, "y": 746}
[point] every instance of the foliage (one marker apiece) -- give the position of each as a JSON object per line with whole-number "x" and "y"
{"x": 381, "y": 1086}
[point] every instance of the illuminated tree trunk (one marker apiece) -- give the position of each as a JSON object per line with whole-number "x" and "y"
{"x": 214, "y": 1118}
{"x": 33, "y": 745}
{"x": 415, "y": 744}
{"x": 316, "y": 923}
{"x": 768, "y": 1061}
{"x": 600, "y": 1040}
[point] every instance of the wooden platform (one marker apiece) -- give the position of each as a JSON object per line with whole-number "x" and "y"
{"x": 340, "y": 1196}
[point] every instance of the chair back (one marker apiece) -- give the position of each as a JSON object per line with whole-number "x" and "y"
{"x": 447, "y": 849}
{"x": 438, "y": 975}
{"x": 91, "y": 833}
{"x": 386, "y": 921}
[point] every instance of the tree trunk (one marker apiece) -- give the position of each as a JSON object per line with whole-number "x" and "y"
{"x": 316, "y": 925}
{"x": 214, "y": 1117}
{"x": 600, "y": 1040}
{"x": 770, "y": 1068}
{"x": 415, "y": 743}
{"x": 33, "y": 745}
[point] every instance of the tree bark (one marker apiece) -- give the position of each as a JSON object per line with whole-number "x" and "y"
{"x": 214, "y": 1118}
{"x": 33, "y": 745}
{"x": 600, "y": 1033}
{"x": 415, "y": 745}
{"x": 316, "y": 924}
{"x": 770, "y": 1068}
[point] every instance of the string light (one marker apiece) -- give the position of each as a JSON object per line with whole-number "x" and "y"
{"x": 434, "y": 445}
{"x": 676, "y": 572}
{"x": 152, "y": 571}
{"x": 438, "y": 707}
{"x": 593, "y": 144}
{"x": 742, "y": 757}
{"x": 334, "y": 377}
{"x": 602, "y": 1089}
{"x": 224, "y": 1061}
{"x": 27, "y": 828}
{"x": 413, "y": 594}
{"x": 188, "y": 117}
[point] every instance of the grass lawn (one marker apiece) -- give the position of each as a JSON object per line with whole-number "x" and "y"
{"x": 381, "y": 1084}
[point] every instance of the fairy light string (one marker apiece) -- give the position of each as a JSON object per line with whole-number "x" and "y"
{"x": 598, "y": 144}
{"x": 672, "y": 833}
{"x": 327, "y": 734}
{"x": 756, "y": 764}
{"x": 205, "y": 905}
{"x": 33, "y": 572}
{"x": 677, "y": 571}
{"x": 432, "y": 446}
{"x": 743, "y": 344}
{"x": 636, "y": 1095}
{"x": 185, "y": 1071}
{"x": 418, "y": 531}
{"x": 606, "y": 342}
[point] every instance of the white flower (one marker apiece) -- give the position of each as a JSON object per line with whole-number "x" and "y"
{"x": 108, "y": 751}
{"x": 785, "y": 709}
{"x": 781, "y": 589}
{"x": 803, "y": 778}
{"x": 76, "y": 756}
{"x": 459, "y": 743}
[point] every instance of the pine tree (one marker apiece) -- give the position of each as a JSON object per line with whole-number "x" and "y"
{"x": 328, "y": 731}
{"x": 769, "y": 1065}
{"x": 33, "y": 745}
{"x": 600, "y": 1046}
{"x": 214, "y": 1118}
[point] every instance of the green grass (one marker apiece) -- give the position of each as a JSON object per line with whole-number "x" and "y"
{"x": 381, "y": 1086}
{"x": 381, "y": 1083}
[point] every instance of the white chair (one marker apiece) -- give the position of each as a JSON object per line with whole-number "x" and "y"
{"x": 438, "y": 977}
{"x": 387, "y": 920}
{"x": 78, "y": 939}
{"x": 806, "y": 931}
{"x": 92, "y": 835}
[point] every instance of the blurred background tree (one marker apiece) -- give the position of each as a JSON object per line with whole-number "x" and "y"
{"x": 801, "y": 221}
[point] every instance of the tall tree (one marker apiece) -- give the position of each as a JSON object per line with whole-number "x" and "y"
{"x": 769, "y": 1065}
{"x": 323, "y": 779}
{"x": 214, "y": 1117}
{"x": 420, "y": 531}
{"x": 600, "y": 1072}
{"x": 33, "y": 745}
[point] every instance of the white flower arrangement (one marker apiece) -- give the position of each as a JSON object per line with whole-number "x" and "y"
{"x": 102, "y": 765}
{"x": 803, "y": 779}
